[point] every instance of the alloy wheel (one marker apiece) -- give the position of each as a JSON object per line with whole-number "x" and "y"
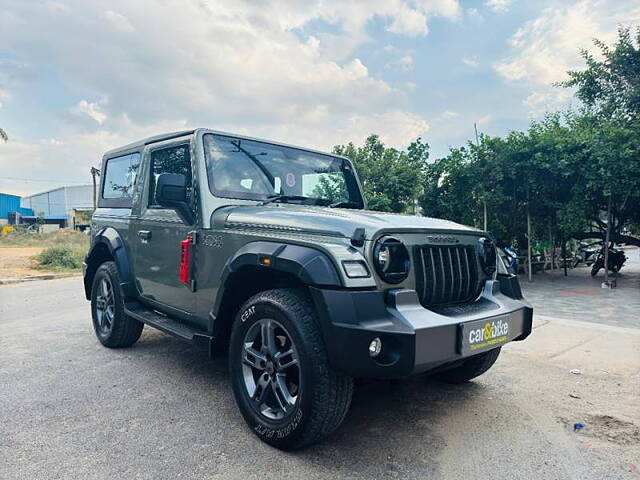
{"x": 271, "y": 369}
{"x": 105, "y": 306}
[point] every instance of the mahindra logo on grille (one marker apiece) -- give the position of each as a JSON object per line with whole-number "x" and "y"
{"x": 441, "y": 239}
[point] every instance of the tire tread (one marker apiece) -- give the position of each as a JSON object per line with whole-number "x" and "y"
{"x": 334, "y": 390}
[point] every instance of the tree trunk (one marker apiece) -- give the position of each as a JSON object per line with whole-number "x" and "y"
{"x": 564, "y": 254}
{"x": 553, "y": 248}
{"x": 484, "y": 202}
{"x": 529, "y": 239}
{"x": 606, "y": 243}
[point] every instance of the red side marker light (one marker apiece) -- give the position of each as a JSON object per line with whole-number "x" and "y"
{"x": 185, "y": 260}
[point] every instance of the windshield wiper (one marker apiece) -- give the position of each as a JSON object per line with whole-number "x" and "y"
{"x": 258, "y": 163}
{"x": 344, "y": 204}
{"x": 283, "y": 198}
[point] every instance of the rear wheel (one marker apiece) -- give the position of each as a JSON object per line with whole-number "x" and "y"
{"x": 113, "y": 327}
{"x": 282, "y": 381}
{"x": 471, "y": 367}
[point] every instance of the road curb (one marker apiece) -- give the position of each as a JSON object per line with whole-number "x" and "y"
{"x": 31, "y": 278}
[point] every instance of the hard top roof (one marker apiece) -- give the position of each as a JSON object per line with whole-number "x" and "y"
{"x": 168, "y": 136}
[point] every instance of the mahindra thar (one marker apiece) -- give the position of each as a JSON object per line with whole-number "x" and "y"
{"x": 266, "y": 252}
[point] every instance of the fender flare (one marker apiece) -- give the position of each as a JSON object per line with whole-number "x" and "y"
{"x": 310, "y": 265}
{"x": 110, "y": 238}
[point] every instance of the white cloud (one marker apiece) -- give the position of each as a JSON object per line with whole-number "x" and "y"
{"x": 55, "y": 7}
{"x": 403, "y": 64}
{"x": 485, "y": 119}
{"x": 66, "y": 159}
{"x": 470, "y": 61}
{"x": 230, "y": 65}
{"x": 448, "y": 114}
{"x": 498, "y": 5}
{"x": 409, "y": 22}
{"x": 547, "y": 100}
{"x": 474, "y": 15}
{"x": 91, "y": 109}
{"x": 119, "y": 21}
{"x": 546, "y": 47}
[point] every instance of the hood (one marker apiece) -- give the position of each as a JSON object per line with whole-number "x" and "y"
{"x": 334, "y": 221}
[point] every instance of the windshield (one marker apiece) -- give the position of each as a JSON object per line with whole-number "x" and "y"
{"x": 250, "y": 170}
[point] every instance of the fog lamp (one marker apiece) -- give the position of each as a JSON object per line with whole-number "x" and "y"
{"x": 375, "y": 347}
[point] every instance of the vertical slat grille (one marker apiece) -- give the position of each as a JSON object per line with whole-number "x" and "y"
{"x": 446, "y": 274}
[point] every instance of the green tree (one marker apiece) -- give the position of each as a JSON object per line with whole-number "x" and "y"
{"x": 391, "y": 178}
{"x": 609, "y": 86}
{"x": 3, "y": 135}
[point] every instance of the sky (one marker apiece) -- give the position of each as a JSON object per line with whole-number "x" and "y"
{"x": 79, "y": 77}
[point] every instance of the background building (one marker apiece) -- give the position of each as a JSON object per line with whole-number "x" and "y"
{"x": 10, "y": 204}
{"x": 60, "y": 201}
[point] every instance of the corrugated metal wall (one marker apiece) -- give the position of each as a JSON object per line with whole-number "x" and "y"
{"x": 11, "y": 203}
{"x": 79, "y": 197}
{"x": 60, "y": 201}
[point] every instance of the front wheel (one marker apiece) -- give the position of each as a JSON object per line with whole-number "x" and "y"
{"x": 282, "y": 381}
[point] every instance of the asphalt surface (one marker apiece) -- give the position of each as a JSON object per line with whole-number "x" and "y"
{"x": 72, "y": 409}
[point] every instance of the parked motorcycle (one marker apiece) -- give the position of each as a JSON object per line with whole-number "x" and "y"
{"x": 616, "y": 261}
{"x": 511, "y": 259}
{"x": 587, "y": 252}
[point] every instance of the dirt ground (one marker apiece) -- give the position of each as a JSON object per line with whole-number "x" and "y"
{"x": 16, "y": 262}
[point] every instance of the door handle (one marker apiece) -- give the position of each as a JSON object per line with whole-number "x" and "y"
{"x": 144, "y": 235}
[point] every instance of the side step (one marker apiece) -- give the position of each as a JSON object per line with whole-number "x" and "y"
{"x": 169, "y": 325}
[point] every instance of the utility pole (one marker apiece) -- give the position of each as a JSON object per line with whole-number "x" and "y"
{"x": 94, "y": 172}
{"x": 484, "y": 201}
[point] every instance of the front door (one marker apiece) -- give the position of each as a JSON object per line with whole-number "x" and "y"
{"x": 159, "y": 232}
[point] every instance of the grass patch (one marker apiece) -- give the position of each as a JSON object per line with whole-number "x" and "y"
{"x": 64, "y": 249}
{"x": 61, "y": 258}
{"x": 61, "y": 237}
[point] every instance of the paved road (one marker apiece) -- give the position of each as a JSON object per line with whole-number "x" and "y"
{"x": 70, "y": 408}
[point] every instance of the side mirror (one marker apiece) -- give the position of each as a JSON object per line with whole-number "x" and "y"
{"x": 171, "y": 192}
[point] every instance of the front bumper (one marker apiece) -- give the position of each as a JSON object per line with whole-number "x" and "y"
{"x": 414, "y": 339}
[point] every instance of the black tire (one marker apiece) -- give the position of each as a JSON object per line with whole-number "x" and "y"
{"x": 322, "y": 395}
{"x": 595, "y": 269}
{"x": 112, "y": 326}
{"x": 472, "y": 367}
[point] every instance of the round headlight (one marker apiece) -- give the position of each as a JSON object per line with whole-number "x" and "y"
{"x": 391, "y": 260}
{"x": 487, "y": 254}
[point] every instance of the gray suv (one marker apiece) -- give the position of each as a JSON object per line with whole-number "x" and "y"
{"x": 266, "y": 252}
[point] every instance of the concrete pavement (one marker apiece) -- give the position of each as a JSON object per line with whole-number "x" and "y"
{"x": 578, "y": 296}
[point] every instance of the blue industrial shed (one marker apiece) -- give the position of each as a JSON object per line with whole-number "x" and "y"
{"x": 11, "y": 203}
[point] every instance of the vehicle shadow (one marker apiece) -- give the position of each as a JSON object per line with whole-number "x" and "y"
{"x": 391, "y": 427}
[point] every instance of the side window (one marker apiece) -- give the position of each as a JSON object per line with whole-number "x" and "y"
{"x": 119, "y": 178}
{"x": 169, "y": 160}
